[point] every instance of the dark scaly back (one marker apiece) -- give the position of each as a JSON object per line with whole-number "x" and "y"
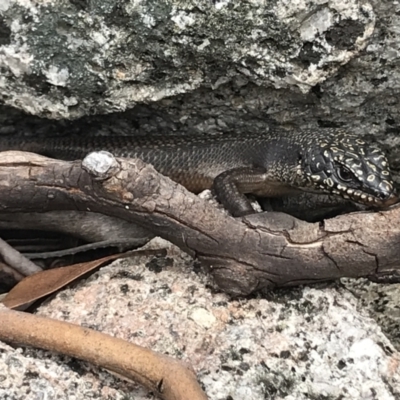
{"x": 323, "y": 160}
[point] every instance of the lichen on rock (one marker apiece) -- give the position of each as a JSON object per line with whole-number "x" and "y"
{"x": 66, "y": 59}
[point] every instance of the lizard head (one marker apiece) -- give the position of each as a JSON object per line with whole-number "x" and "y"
{"x": 347, "y": 166}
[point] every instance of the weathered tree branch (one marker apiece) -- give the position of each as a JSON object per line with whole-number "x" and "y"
{"x": 88, "y": 226}
{"x": 16, "y": 260}
{"x": 260, "y": 251}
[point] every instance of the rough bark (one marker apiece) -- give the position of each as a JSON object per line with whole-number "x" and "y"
{"x": 258, "y": 252}
{"x": 84, "y": 225}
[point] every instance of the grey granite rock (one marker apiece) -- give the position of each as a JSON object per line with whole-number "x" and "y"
{"x": 298, "y": 344}
{"x": 382, "y": 302}
{"x": 66, "y": 59}
{"x": 189, "y": 66}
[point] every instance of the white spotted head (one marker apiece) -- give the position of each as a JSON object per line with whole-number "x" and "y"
{"x": 347, "y": 166}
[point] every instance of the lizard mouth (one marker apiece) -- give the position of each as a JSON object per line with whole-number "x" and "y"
{"x": 382, "y": 201}
{"x": 393, "y": 198}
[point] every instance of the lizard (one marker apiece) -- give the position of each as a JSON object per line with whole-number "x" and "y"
{"x": 275, "y": 163}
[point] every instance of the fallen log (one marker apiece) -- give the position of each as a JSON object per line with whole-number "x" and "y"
{"x": 260, "y": 251}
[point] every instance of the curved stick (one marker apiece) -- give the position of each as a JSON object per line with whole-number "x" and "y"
{"x": 165, "y": 376}
{"x": 259, "y": 251}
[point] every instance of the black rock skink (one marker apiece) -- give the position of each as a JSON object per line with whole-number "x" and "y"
{"x": 272, "y": 164}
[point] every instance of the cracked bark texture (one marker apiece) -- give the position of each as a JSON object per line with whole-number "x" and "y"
{"x": 261, "y": 251}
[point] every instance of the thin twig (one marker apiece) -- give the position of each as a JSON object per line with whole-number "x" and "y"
{"x": 16, "y": 260}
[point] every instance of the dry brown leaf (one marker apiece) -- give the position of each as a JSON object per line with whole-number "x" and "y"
{"x": 39, "y": 285}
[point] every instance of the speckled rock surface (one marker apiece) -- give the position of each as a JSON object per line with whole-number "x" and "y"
{"x": 78, "y": 57}
{"x": 304, "y": 343}
{"x": 185, "y": 67}
{"x": 382, "y": 302}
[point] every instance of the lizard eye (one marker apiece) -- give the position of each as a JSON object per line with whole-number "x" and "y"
{"x": 344, "y": 174}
